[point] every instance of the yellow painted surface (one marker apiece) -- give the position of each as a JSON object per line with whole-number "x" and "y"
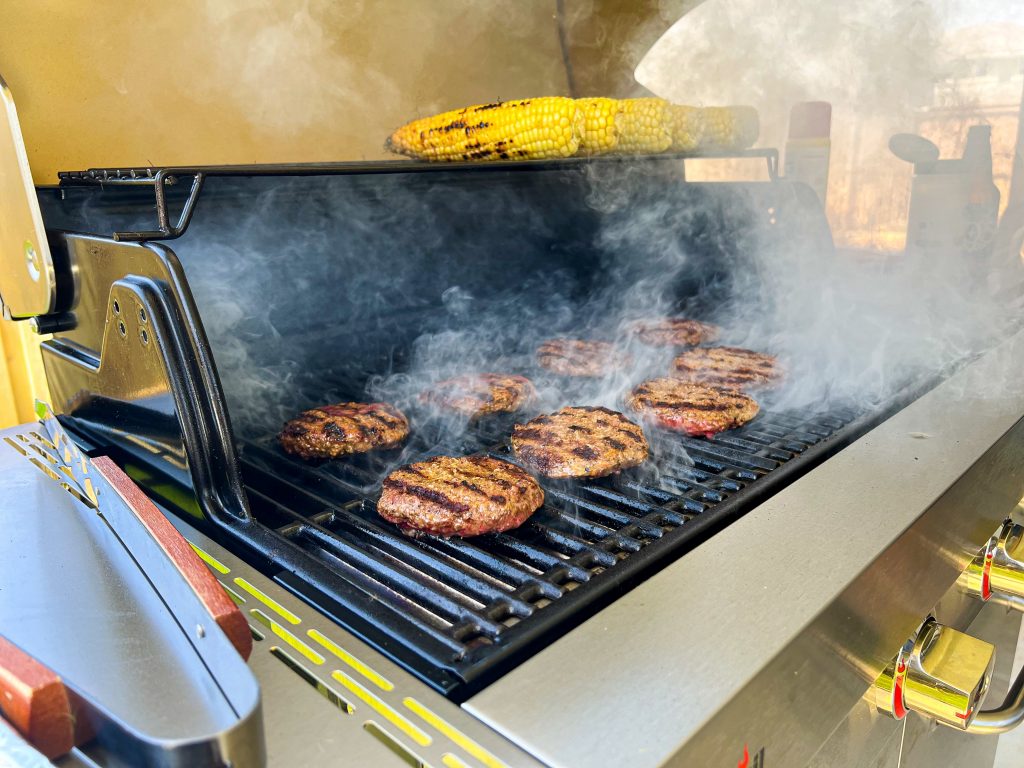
{"x": 243, "y": 81}
{"x": 21, "y": 374}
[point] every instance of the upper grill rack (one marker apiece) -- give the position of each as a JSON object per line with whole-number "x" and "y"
{"x": 171, "y": 224}
{"x": 464, "y": 610}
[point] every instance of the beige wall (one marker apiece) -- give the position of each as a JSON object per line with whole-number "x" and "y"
{"x": 118, "y": 83}
{"x": 239, "y": 81}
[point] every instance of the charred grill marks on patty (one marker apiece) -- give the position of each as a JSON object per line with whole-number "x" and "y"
{"x": 337, "y": 430}
{"x": 580, "y": 442}
{"x": 695, "y": 409}
{"x": 459, "y": 496}
{"x": 731, "y": 367}
{"x": 674, "y": 332}
{"x": 478, "y": 394}
{"x": 579, "y": 357}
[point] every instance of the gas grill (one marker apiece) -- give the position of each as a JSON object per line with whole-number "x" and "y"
{"x": 194, "y": 309}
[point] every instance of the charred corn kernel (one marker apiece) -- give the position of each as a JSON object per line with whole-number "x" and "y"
{"x": 528, "y": 129}
{"x": 687, "y": 125}
{"x": 644, "y": 125}
{"x": 600, "y": 135}
{"x": 729, "y": 127}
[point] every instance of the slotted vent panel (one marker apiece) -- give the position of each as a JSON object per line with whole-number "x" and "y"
{"x": 394, "y": 718}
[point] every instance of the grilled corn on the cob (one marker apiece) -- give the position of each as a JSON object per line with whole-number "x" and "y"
{"x": 528, "y": 129}
{"x": 644, "y": 126}
{"x": 553, "y": 126}
{"x": 600, "y": 134}
{"x": 729, "y": 127}
{"x": 687, "y": 126}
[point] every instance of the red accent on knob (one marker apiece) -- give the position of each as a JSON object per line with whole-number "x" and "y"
{"x": 899, "y": 709}
{"x": 986, "y": 576}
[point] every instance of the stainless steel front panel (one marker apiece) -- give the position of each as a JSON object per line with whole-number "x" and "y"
{"x": 769, "y": 634}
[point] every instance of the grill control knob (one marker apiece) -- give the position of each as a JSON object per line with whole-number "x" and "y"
{"x": 939, "y": 673}
{"x": 999, "y": 568}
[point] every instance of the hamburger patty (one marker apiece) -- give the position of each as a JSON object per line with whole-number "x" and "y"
{"x": 674, "y": 332}
{"x": 481, "y": 393}
{"x": 728, "y": 367}
{"x": 696, "y": 409}
{"x": 580, "y": 442}
{"x": 338, "y": 430}
{"x": 459, "y": 496}
{"x": 578, "y": 357}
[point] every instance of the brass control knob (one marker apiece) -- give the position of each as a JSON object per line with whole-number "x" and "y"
{"x": 999, "y": 568}
{"x": 939, "y": 673}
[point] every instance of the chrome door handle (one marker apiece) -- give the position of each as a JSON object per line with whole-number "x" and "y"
{"x": 1006, "y": 716}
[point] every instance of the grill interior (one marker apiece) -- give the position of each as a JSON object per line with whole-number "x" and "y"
{"x": 312, "y": 286}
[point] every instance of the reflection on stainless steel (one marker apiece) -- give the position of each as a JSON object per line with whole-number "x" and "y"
{"x": 18, "y": 752}
{"x": 127, "y": 376}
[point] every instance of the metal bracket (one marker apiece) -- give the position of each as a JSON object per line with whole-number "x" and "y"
{"x": 159, "y": 179}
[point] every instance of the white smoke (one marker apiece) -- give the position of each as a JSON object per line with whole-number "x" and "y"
{"x": 307, "y": 293}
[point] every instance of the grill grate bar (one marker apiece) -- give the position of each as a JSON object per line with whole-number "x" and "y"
{"x": 606, "y": 514}
{"x": 401, "y": 577}
{"x": 485, "y": 596}
{"x": 346, "y": 526}
{"x": 737, "y": 459}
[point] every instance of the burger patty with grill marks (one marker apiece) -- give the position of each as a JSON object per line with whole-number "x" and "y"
{"x": 337, "y": 430}
{"x": 674, "y": 332}
{"x": 482, "y": 393}
{"x": 459, "y": 496}
{"x": 696, "y": 409}
{"x": 728, "y": 367}
{"x": 580, "y": 442}
{"x": 579, "y": 357}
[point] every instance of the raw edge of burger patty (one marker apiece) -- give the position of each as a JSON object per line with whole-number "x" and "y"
{"x": 459, "y": 496}
{"x": 341, "y": 429}
{"x": 580, "y": 441}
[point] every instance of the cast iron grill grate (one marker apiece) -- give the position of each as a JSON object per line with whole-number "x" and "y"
{"x": 458, "y": 612}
